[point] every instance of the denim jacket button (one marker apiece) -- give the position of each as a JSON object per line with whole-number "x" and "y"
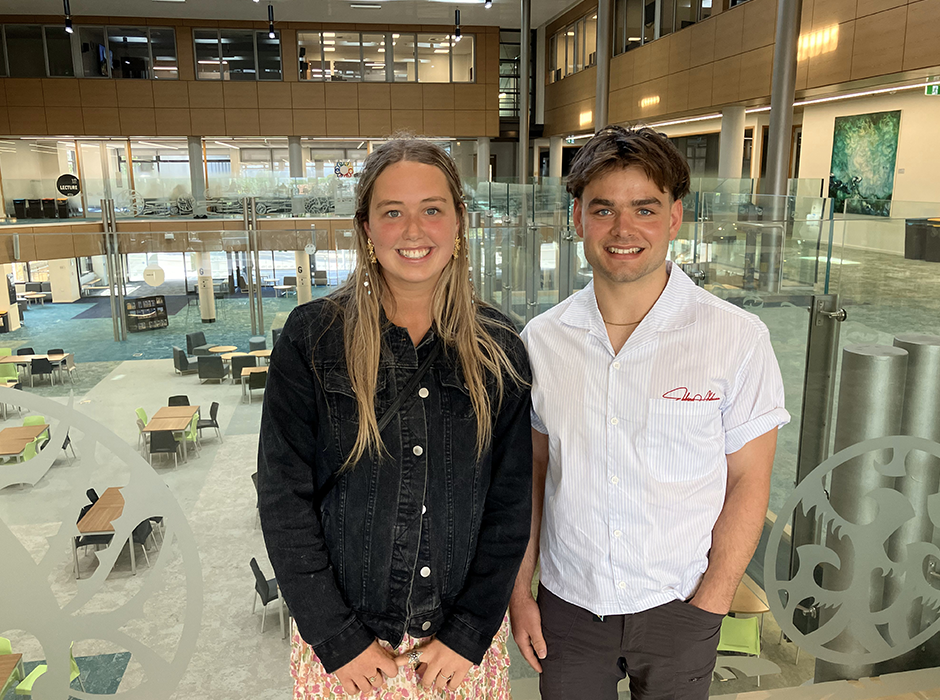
{"x": 423, "y": 392}
{"x": 425, "y": 572}
{"x": 417, "y": 450}
{"x": 424, "y": 509}
{"x": 426, "y": 626}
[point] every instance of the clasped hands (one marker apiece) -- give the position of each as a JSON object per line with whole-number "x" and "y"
{"x": 438, "y": 666}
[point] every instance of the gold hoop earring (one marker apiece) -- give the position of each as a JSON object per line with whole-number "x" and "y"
{"x": 456, "y": 247}
{"x": 371, "y": 251}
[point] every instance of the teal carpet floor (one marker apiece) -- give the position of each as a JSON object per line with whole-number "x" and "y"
{"x": 92, "y": 339}
{"x": 101, "y": 674}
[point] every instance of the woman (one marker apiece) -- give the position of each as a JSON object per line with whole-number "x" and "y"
{"x": 395, "y": 455}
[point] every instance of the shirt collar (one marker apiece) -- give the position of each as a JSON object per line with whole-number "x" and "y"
{"x": 673, "y": 310}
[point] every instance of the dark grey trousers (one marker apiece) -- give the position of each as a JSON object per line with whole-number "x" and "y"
{"x": 667, "y": 651}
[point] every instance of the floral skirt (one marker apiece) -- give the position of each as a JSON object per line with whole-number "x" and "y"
{"x": 488, "y": 681}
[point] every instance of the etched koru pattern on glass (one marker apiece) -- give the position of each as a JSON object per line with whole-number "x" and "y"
{"x": 154, "y": 614}
{"x": 876, "y": 597}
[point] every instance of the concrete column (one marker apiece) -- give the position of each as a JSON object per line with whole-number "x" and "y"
{"x": 524, "y": 72}
{"x": 483, "y": 159}
{"x": 304, "y": 291}
{"x": 556, "y": 145}
{"x": 206, "y": 290}
{"x": 295, "y": 162}
{"x": 731, "y": 147}
{"x": 604, "y": 20}
{"x": 6, "y": 303}
{"x": 783, "y": 88}
{"x": 197, "y": 178}
{"x": 63, "y": 278}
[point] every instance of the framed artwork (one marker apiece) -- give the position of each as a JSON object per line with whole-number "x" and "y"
{"x": 864, "y": 155}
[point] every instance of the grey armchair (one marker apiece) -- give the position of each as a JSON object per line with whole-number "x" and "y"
{"x": 181, "y": 363}
{"x": 196, "y": 344}
{"x": 239, "y": 362}
{"x": 211, "y": 367}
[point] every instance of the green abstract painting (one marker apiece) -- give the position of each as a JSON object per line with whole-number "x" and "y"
{"x": 864, "y": 153}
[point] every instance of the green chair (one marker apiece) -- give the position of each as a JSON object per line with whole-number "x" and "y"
{"x": 26, "y": 687}
{"x": 142, "y": 414}
{"x": 740, "y": 635}
{"x": 8, "y": 371}
{"x": 192, "y": 433}
{"x": 17, "y": 675}
{"x": 37, "y": 420}
{"x": 5, "y": 352}
{"x": 31, "y": 451}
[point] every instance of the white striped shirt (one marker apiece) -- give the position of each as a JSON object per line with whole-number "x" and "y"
{"x": 638, "y": 440}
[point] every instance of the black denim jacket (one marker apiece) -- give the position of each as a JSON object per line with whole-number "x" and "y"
{"x": 427, "y": 540}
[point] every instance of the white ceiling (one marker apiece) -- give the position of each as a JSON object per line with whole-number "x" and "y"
{"x": 504, "y": 13}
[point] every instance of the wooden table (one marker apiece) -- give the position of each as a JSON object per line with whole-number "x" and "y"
{"x": 13, "y": 441}
{"x": 283, "y": 289}
{"x": 223, "y": 348}
{"x": 249, "y": 370}
{"x": 227, "y": 357}
{"x": 263, "y": 354}
{"x": 33, "y": 296}
{"x": 27, "y": 359}
{"x": 97, "y": 521}
{"x": 176, "y": 419}
{"x": 9, "y": 663}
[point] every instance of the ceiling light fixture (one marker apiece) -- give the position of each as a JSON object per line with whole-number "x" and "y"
{"x": 488, "y": 4}
{"x": 68, "y": 17}
{"x": 364, "y": 6}
{"x": 271, "y": 34}
{"x": 456, "y": 25}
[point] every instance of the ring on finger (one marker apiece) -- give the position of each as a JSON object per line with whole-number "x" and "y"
{"x": 413, "y": 656}
{"x": 371, "y": 679}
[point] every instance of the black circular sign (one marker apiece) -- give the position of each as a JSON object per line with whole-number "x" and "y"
{"x": 68, "y": 185}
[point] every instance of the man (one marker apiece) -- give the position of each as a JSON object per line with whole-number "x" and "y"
{"x": 652, "y": 448}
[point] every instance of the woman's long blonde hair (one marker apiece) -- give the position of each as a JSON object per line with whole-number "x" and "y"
{"x": 454, "y": 307}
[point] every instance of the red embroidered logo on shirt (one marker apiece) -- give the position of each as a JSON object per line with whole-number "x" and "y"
{"x": 682, "y": 394}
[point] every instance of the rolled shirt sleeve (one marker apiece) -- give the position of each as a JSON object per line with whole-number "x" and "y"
{"x": 756, "y": 403}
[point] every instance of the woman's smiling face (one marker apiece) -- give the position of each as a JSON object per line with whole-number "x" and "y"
{"x": 413, "y": 224}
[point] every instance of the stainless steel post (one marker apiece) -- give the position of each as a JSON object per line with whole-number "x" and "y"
{"x": 783, "y": 89}
{"x": 524, "y": 71}
{"x": 602, "y": 50}
{"x": 489, "y": 257}
{"x": 254, "y": 258}
{"x": 119, "y": 270}
{"x": 106, "y": 224}
{"x": 248, "y": 207}
{"x": 871, "y": 396}
{"x": 533, "y": 271}
{"x": 822, "y": 346}
{"x": 920, "y": 418}
{"x": 507, "y": 269}
{"x": 473, "y": 250}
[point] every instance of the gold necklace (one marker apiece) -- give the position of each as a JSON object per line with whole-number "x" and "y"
{"x": 610, "y": 323}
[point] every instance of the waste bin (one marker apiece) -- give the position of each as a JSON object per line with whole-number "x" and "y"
{"x": 62, "y": 207}
{"x": 932, "y": 247}
{"x": 4, "y": 322}
{"x": 19, "y": 208}
{"x": 915, "y": 239}
{"x": 48, "y": 208}
{"x": 33, "y": 209}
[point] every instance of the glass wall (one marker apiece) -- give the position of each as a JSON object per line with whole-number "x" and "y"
{"x": 237, "y": 54}
{"x": 637, "y": 22}
{"x": 90, "y": 52}
{"x": 386, "y": 57}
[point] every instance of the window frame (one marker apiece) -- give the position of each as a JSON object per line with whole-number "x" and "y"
{"x": 391, "y": 50}
{"x": 254, "y": 45}
{"x": 75, "y": 53}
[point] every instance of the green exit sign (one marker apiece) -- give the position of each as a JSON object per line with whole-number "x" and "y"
{"x": 932, "y": 89}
